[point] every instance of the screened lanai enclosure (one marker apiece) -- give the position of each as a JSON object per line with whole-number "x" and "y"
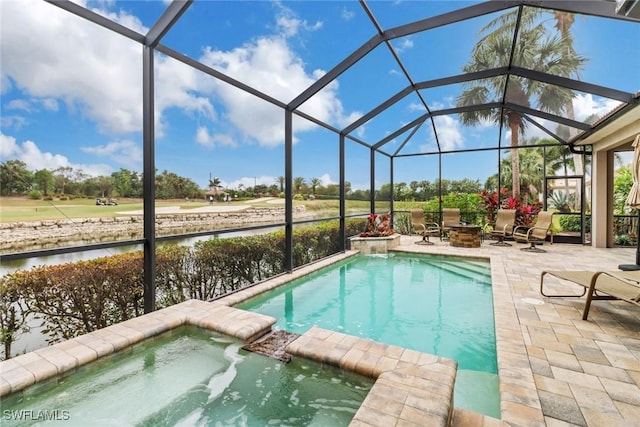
{"x": 364, "y": 106}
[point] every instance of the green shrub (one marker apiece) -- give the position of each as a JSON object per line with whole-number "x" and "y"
{"x": 298, "y": 197}
{"x": 35, "y": 195}
{"x": 80, "y": 297}
{"x": 572, "y": 222}
{"x": 624, "y": 240}
{"x": 402, "y": 223}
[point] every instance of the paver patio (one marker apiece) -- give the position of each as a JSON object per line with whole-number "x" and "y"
{"x": 582, "y": 373}
{"x": 555, "y": 368}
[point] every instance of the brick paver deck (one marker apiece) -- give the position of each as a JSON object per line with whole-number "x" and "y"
{"x": 555, "y": 369}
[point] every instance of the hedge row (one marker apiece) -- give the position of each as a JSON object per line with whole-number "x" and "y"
{"x": 79, "y": 297}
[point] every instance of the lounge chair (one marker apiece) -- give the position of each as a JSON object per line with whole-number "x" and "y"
{"x": 535, "y": 234}
{"x": 503, "y": 226}
{"x": 425, "y": 229}
{"x": 450, "y": 216}
{"x": 615, "y": 285}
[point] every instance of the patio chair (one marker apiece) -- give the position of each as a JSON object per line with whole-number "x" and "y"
{"x": 503, "y": 226}
{"x": 425, "y": 229}
{"x": 615, "y": 285}
{"x": 450, "y": 216}
{"x": 535, "y": 234}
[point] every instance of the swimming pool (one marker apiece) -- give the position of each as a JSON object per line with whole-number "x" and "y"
{"x": 192, "y": 376}
{"x": 431, "y": 303}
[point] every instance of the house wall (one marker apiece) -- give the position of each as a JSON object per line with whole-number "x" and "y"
{"x": 615, "y": 137}
{"x": 600, "y": 188}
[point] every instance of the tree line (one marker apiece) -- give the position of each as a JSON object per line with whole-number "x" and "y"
{"x": 17, "y": 180}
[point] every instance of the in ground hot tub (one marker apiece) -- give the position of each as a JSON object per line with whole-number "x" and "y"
{"x": 192, "y": 376}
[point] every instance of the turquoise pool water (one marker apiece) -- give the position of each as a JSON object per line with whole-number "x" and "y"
{"x": 434, "y": 304}
{"x": 191, "y": 377}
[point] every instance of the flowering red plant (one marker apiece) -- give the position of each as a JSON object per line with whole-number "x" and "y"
{"x": 378, "y": 226}
{"x": 525, "y": 212}
{"x": 492, "y": 202}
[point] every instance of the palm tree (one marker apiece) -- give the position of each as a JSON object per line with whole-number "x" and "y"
{"x": 531, "y": 171}
{"x": 215, "y": 184}
{"x": 347, "y": 187}
{"x": 558, "y": 158}
{"x": 536, "y": 50}
{"x": 564, "y": 21}
{"x": 315, "y": 183}
{"x": 298, "y": 182}
{"x": 529, "y": 168}
{"x": 280, "y": 180}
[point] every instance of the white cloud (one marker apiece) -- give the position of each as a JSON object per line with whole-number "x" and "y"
{"x": 270, "y": 65}
{"x": 5, "y": 84}
{"x": 29, "y": 107}
{"x": 289, "y": 24}
{"x": 347, "y": 15}
{"x": 13, "y": 122}
{"x": 95, "y": 72}
{"x": 531, "y": 131}
{"x": 416, "y": 106}
{"x": 8, "y": 146}
{"x": 125, "y": 152}
{"x": 49, "y": 104}
{"x": 268, "y": 180}
{"x": 250, "y": 181}
{"x": 29, "y": 153}
{"x": 449, "y": 134}
{"x": 403, "y": 45}
{"x": 177, "y": 85}
{"x": 19, "y": 104}
{"x": 325, "y": 179}
{"x": 437, "y": 105}
{"x": 204, "y": 138}
{"x": 97, "y": 75}
{"x": 585, "y": 106}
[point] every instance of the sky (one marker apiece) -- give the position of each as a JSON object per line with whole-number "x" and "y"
{"x": 71, "y": 91}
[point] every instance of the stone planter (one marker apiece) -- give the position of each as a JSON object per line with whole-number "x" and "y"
{"x": 374, "y": 245}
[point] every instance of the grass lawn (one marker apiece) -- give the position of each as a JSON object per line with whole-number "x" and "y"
{"x": 17, "y": 209}
{"x": 13, "y": 209}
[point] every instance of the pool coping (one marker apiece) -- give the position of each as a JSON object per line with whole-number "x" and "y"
{"x": 21, "y": 371}
{"x": 519, "y": 401}
{"x": 411, "y": 387}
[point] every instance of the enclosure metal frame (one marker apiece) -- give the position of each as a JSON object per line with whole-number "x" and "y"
{"x": 150, "y": 43}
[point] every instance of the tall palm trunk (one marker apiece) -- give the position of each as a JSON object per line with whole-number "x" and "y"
{"x": 514, "y": 125}
{"x": 564, "y": 21}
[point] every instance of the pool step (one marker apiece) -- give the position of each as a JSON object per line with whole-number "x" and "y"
{"x": 475, "y": 272}
{"x": 469, "y": 271}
